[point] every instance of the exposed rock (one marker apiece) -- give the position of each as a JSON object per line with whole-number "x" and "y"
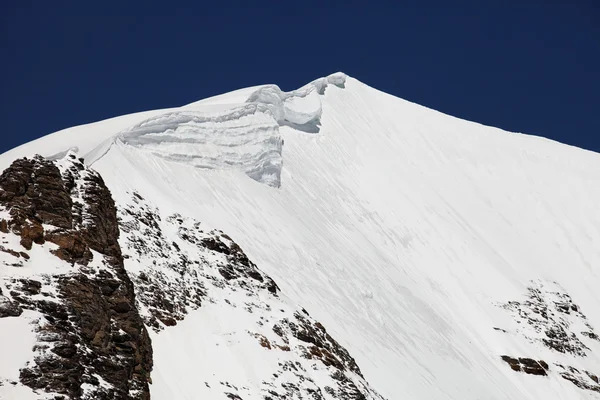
{"x": 324, "y": 347}
{"x": 582, "y": 379}
{"x": 31, "y": 232}
{"x": 9, "y": 308}
{"x": 11, "y": 252}
{"x": 30, "y": 286}
{"x": 33, "y": 189}
{"x": 176, "y": 267}
{"x": 215, "y": 244}
{"x": 71, "y": 247}
{"x": 547, "y": 316}
{"x": 92, "y": 329}
{"x": 527, "y": 365}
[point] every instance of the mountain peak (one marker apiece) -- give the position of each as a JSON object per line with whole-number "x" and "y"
{"x": 332, "y": 242}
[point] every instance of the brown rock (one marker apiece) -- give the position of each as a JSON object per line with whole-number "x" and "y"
{"x": 67, "y": 350}
{"x": 527, "y": 365}
{"x": 9, "y": 251}
{"x": 264, "y": 342}
{"x": 72, "y": 247}
{"x": 592, "y": 377}
{"x": 95, "y": 307}
{"x": 122, "y": 307}
{"x": 168, "y": 321}
{"x": 31, "y": 233}
{"x": 34, "y": 189}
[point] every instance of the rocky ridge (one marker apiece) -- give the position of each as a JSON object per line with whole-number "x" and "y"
{"x": 91, "y": 342}
{"x": 178, "y": 266}
{"x": 549, "y": 316}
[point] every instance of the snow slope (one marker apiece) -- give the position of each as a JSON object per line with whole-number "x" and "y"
{"x": 405, "y": 231}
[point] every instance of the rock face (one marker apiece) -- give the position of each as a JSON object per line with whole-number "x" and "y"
{"x": 527, "y": 365}
{"x": 548, "y": 316}
{"x": 91, "y": 340}
{"x": 178, "y": 265}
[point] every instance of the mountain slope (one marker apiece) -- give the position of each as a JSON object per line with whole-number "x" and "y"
{"x": 427, "y": 246}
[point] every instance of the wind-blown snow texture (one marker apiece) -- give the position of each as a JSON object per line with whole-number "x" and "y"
{"x": 450, "y": 259}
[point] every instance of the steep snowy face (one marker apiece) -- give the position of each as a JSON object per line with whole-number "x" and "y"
{"x": 449, "y": 260}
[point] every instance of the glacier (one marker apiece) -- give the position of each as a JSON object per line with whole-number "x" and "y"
{"x": 428, "y": 246}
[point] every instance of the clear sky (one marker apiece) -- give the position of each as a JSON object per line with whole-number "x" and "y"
{"x": 527, "y": 66}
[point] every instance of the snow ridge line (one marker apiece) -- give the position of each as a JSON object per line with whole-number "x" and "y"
{"x": 244, "y": 136}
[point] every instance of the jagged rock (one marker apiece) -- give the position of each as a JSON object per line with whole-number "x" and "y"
{"x": 215, "y": 244}
{"x": 591, "y": 335}
{"x": 325, "y": 348}
{"x": 93, "y": 330}
{"x": 93, "y": 327}
{"x": 31, "y": 233}
{"x": 30, "y": 286}
{"x": 102, "y": 233}
{"x": 33, "y": 189}
{"x": 582, "y": 379}
{"x": 72, "y": 247}
{"x": 527, "y": 365}
{"x": 9, "y": 308}
{"x": 548, "y": 315}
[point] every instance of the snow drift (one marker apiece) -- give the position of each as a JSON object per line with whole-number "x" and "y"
{"x": 244, "y": 136}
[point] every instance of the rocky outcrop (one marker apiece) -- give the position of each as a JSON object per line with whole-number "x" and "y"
{"x": 580, "y": 378}
{"x": 179, "y": 265}
{"x": 9, "y": 308}
{"x": 549, "y": 316}
{"x": 319, "y": 344}
{"x": 527, "y": 365}
{"x": 92, "y": 342}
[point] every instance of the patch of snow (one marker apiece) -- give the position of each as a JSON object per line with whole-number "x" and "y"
{"x": 40, "y": 263}
{"x": 17, "y": 339}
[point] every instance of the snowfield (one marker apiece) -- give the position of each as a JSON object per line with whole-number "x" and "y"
{"x": 428, "y": 246}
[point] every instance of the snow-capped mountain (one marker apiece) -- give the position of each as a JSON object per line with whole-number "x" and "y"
{"x": 333, "y": 242}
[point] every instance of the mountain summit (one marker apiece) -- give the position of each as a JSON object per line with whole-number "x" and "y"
{"x": 332, "y": 242}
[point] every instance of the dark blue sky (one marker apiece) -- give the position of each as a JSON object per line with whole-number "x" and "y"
{"x": 526, "y": 66}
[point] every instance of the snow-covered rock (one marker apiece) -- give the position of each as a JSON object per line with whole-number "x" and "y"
{"x": 444, "y": 258}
